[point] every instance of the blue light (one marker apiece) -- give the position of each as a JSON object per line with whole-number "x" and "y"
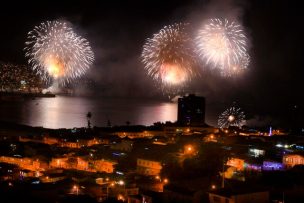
{"x": 299, "y": 147}
{"x": 115, "y": 154}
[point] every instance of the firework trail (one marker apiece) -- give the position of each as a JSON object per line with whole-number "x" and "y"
{"x": 169, "y": 57}
{"x": 55, "y": 51}
{"x": 232, "y": 116}
{"x": 223, "y": 44}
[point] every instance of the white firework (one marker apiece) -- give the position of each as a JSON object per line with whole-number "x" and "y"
{"x": 236, "y": 69}
{"x": 169, "y": 57}
{"x": 223, "y": 44}
{"x": 54, "y": 50}
{"x": 232, "y": 116}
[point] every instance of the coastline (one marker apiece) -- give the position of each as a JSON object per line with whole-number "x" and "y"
{"x": 17, "y": 96}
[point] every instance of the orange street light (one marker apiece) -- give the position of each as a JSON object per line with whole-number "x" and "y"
{"x": 120, "y": 197}
{"x": 188, "y": 149}
{"x": 76, "y": 189}
{"x": 121, "y": 182}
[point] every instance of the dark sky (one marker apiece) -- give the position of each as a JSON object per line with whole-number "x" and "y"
{"x": 271, "y": 91}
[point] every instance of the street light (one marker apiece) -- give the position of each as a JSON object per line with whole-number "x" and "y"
{"x": 165, "y": 180}
{"x": 189, "y": 149}
{"x": 76, "y": 189}
{"x": 121, "y": 197}
{"x": 108, "y": 184}
{"x": 161, "y": 182}
{"x": 121, "y": 182}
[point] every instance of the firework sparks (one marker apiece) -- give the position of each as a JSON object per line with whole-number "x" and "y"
{"x": 169, "y": 57}
{"x": 54, "y": 50}
{"x": 223, "y": 45}
{"x": 231, "y": 117}
{"x": 236, "y": 69}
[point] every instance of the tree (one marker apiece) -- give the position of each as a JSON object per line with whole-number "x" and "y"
{"x": 89, "y": 116}
{"x": 109, "y": 123}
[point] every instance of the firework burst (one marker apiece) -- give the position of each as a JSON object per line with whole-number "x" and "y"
{"x": 223, "y": 44}
{"x": 169, "y": 57}
{"x": 237, "y": 68}
{"x": 54, "y": 50}
{"x": 231, "y": 117}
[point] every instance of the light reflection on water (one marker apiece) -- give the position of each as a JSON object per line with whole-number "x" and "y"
{"x": 68, "y": 112}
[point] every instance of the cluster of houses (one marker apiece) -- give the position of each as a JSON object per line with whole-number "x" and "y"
{"x": 69, "y": 162}
{"x": 256, "y": 161}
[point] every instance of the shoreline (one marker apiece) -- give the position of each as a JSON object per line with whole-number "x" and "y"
{"x": 16, "y": 96}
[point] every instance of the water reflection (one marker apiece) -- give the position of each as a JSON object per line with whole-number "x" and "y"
{"x": 58, "y": 112}
{"x": 161, "y": 112}
{"x": 68, "y": 112}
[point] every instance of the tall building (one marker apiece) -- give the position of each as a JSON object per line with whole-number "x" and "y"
{"x": 191, "y": 110}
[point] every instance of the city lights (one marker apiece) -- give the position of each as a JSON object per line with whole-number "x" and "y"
{"x": 141, "y": 102}
{"x": 75, "y": 189}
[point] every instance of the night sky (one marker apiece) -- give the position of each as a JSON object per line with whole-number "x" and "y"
{"x": 270, "y": 91}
